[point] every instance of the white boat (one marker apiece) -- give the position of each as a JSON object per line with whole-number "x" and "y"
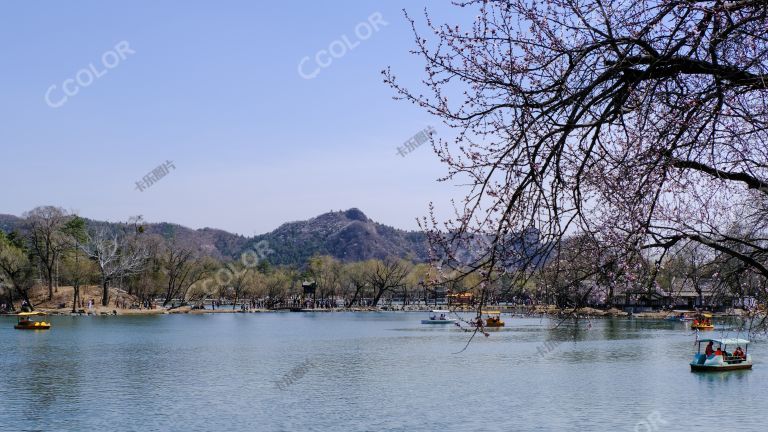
{"x": 721, "y": 359}
{"x": 680, "y": 315}
{"x": 439, "y": 317}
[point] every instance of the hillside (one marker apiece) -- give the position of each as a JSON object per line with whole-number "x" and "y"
{"x": 10, "y": 223}
{"x": 346, "y": 235}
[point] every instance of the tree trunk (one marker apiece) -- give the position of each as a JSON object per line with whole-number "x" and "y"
{"x": 354, "y": 297}
{"x": 75, "y": 295}
{"x": 104, "y": 292}
{"x": 10, "y": 299}
{"x": 24, "y": 295}
{"x": 610, "y": 296}
{"x": 168, "y": 294}
{"x": 377, "y": 297}
{"x": 56, "y": 287}
{"x": 50, "y": 285}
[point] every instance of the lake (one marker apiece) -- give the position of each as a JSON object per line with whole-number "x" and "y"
{"x": 365, "y": 371}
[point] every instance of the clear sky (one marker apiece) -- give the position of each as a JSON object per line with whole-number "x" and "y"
{"x": 215, "y": 88}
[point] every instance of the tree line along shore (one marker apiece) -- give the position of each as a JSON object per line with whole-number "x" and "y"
{"x": 61, "y": 262}
{"x": 126, "y": 304}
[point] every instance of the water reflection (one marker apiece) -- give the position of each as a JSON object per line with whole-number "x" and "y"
{"x": 368, "y": 372}
{"x": 735, "y": 375}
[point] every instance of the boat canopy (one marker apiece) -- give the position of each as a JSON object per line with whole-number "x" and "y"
{"x": 35, "y": 313}
{"x": 441, "y": 311}
{"x": 729, "y": 341}
{"x": 491, "y": 312}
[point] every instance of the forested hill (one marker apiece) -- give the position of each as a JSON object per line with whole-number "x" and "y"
{"x": 9, "y": 223}
{"x": 346, "y": 235}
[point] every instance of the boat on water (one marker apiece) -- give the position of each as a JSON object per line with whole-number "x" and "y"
{"x": 493, "y": 318}
{"x": 681, "y": 316}
{"x": 721, "y": 359}
{"x": 26, "y": 323}
{"x": 703, "y": 322}
{"x": 438, "y": 317}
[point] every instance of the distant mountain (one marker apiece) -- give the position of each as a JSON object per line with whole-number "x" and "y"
{"x": 10, "y": 223}
{"x": 213, "y": 242}
{"x": 346, "y": 235}
{"x": 216, "y": 243}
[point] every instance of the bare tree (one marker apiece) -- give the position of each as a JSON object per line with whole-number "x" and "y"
{"x": 640, "y": 124}
{"x": 116, "y": 253}
{"x": 276, "y": 286}
{"x": 47, "y": 239}
{"x": 326, "y": 271}
{"x": 150, "y": 281}
{"x": 355, "y": 276}
{"x": 242, "y": 281}
{"x": 183, "y": 269}
{"x": 387, "y": 276}
{"x": 695, "y": 259}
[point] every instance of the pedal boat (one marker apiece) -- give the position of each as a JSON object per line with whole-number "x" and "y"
{"x": 439, "y": 317}
{"x": 25, "y": 323}
{"x": 703, "y": 322}
{"x": 493, "y": 319}
{"x": 724, "y": 362}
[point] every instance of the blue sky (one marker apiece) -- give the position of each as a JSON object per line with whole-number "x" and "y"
{"x": 213, "y": 87}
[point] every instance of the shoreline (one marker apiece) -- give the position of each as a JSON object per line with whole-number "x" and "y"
{"x": 535, "y": 312}
{"x": 63, "y": 296}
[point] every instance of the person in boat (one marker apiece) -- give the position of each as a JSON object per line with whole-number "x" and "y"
{"x": 433, "y": 317}
{"x": 718, "y": 352}
{"x": 709, "y": 351}
{"x": 442, "y": 316}
{"x": 695, "y": 323}
{"x": 739, "y": 353}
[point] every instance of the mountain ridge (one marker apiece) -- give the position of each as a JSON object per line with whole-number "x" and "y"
{"x": 347, "y": 235}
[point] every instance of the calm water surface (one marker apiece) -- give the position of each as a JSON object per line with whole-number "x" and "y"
{"x": 364, "y": 371}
